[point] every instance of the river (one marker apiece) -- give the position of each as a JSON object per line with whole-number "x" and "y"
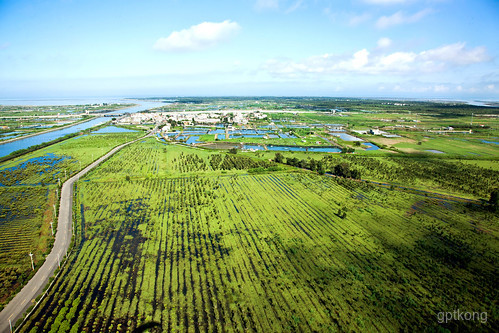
{"x": 7, "y": 148}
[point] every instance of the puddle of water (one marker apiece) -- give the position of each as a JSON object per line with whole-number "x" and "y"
{"x": 493, "y": 142}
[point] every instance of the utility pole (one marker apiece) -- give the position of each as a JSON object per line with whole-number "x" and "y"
{"x": 52, "y": 227}
{"x": 471, "y": 124}
{"x": 32, "y": 265}
{"x": 55, "y": 212}
{"x": 58, "y": 260}
{"x": 10, "y": 324}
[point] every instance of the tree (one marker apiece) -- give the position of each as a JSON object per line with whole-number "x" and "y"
{"x": 320, "y": 168}
{"x": 233, "y": 150}
{"x": 342, "y": 170}
{"x": 494, "y": 200}
{"x": 279, "y": 158}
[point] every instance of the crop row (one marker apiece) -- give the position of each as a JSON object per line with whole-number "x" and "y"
{"x": 259, "y": 253}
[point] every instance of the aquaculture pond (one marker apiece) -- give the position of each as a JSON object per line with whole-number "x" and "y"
{"x": 370, "y": 146}
{"x": 293, "y": 148}
{"x": 287, "y": 136}
{"x": 346, "y": 137}
{"x": 192, "y": 140}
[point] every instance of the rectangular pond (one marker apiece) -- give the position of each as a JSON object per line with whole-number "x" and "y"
{"x": 346, "y": 137}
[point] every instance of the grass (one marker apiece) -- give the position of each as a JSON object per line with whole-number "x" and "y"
{"x": 184, "y": 245}
{"x": 27, "y": 198}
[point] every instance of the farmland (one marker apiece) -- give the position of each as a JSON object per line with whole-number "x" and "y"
{"x": 29, "y": 188}
{"x": 185, "y": 239}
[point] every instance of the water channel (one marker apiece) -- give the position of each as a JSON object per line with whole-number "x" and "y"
{"x": 7, "y": 148}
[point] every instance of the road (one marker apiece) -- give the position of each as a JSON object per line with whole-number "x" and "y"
{"x": 26, "y": 297}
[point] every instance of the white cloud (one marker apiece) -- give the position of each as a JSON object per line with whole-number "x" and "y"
{"x": 267, "y": 4}
{"x": 198, "y": 37}
{"x": 456, "y": 54}
{"x": 401, "y": 18}
{"x": 395, "y": 63}
{"x": 384, "y": 42}
{"x": 358, "y": 19}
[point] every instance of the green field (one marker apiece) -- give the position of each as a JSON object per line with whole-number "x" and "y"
{"x": 185, "y": 239}
{"x": 28, "y": 188}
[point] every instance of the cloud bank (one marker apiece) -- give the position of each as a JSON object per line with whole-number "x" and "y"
{"x": 396, "y": 63}
{"x": 198, "y": 37}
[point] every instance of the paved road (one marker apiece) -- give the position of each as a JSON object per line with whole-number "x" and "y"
{"x": 25, "y": 298}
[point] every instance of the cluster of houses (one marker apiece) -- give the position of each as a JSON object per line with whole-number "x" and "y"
{"x": 191, "y": 118}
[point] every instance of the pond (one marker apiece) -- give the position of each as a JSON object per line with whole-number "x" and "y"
{"x": 195, "y": 132}
{"x": 370, "y": 146}
{"x": 346, "y": 137}
{"x": 113, "y": 129}
{"x": 434, "y": 151}
{"x": 287, "y": 136}
{"x": 303, "y": 148}
{"x": 235, "y": 136}
{"x": 217, "y": 131}
{"x": 192, "y": 140}
{"x": 253, "y": 147}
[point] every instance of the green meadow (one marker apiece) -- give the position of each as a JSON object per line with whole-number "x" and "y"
{"x": 184, "y": 239}
{"x": 29, "y": 185}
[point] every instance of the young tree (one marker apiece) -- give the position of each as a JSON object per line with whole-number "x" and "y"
{"x": 279, "y": 158}
{"x": 494, "y": 200}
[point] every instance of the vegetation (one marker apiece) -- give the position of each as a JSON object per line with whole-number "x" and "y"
{"x": 221, "y": 250}
{"x": 29, "y": 189}
{"x": 178, "y": 238}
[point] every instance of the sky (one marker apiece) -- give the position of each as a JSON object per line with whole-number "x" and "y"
{"x": 343, "y": 48}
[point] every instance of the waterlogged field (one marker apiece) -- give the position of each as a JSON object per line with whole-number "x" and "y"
{"x": 28, "y": 188}
{"x": 25, "y": 216}
{"x": 222, "y": 252}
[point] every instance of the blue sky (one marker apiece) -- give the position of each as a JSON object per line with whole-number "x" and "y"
{"x": 364, "y": 48}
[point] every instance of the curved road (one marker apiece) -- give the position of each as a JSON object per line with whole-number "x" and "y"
{"x": 25, "y": 298}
